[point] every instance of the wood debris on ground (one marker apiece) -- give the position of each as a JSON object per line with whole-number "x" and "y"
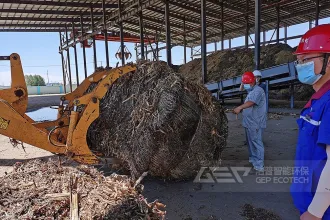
{"x": 274, "y": 116}
{"x": 279, "y": 115}
{"x": 42, "y": 190}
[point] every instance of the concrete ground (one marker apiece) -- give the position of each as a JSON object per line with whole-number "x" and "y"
{"x": 214, "y": 200}
{"x": 188, "y": 200}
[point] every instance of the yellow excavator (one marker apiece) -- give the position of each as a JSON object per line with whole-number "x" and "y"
{"x": 77, "y": 110}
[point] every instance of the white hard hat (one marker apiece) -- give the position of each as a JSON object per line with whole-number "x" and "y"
{"x": 257, "y": 73}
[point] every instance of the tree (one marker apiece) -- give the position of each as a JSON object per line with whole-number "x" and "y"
{"x": 34, "y": 80}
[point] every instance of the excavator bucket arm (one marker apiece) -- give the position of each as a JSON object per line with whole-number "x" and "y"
{"x": 17, "y": 94}
{"x": 67, "y": 134}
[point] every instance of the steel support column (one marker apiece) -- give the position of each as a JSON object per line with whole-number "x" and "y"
{"x": 157, "y": 51}
{"x": 136, "y": 52}
{"x": 63, "y": 70}
{"x": 257, "y": 34}
{"x": 264, "y": 37}
{"x": 317, "y": 14}
{"x": 220, "y": 91}
{"x": 277, "y": 24}
{"x": 105, "y": 31}
{"x": 75, "y": 53}
{"x": 146, "y": 49}
{"x": 247, "y": 30}
{"x": 68, "y": 57}
{"x": 203, "y": 41}
{"x": 267, "y": 92}
{"x": 285, "y": 34}
{"x": 121, "y": 29}
{"x": 310, "y": 25}
{"x": 141, "y": 35}
{"x": 247, "y": 35}
{"x": 84, "y": 49}
{"x": 292, "y": 96}
{"x": 222, "y": 28}
{"x": 157, "y": 46}
{"x": 184, "y": 42}
{"x": 168, "y": 34}
{"x": 215, "y": 46}
{"x": 94, "y": 44}
{"x": 192, "y": 53}
{"x": 229, "y": 43}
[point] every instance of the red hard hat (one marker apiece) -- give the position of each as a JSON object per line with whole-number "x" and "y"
{"x": 316, "y": 40}
{"x": 248, "y": 78}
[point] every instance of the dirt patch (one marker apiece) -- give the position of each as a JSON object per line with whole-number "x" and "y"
{"x": 252, "y": 213}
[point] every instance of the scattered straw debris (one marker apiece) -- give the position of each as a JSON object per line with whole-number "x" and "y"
{"x": 42, "y": 190}
{"x": 252, "y": 213}
{"x": 229, "y": 110}
{"x": 279, "y": 115}
{"x": 274, "y": 116}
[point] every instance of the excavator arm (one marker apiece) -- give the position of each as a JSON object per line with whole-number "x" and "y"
{"x": 17, "y": 94}
{"x": 67, "y": 135}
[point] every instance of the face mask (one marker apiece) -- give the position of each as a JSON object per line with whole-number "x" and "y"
{"x": 247, "y": 87}
{"x": 306, "y": 73}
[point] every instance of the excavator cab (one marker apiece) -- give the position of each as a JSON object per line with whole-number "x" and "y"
{"x": 67, "y": 134}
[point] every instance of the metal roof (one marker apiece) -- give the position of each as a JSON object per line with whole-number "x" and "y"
{"x": 53, "y": 16}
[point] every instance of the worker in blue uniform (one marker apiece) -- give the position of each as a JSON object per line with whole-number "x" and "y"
{"x": 258, "y": 76}
{"x": 254, "y": 120}
{"x": 310, "y": 188}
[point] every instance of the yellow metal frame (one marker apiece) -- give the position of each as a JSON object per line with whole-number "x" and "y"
{"x": 66, "y": 135}
{"x": 17, "y": 94}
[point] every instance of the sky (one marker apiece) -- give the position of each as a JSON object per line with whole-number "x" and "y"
{"x": 39, "y": 53}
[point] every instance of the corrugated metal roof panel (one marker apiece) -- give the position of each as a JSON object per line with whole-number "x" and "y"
{"x": 53, "y": 15}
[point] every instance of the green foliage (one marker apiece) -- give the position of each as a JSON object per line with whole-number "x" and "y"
{"x": 34, "y": 80}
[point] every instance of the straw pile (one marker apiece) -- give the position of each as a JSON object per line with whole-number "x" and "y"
{"x": 155, "y": 120}
{"x": 42, "y": 190}
{"x": 227, "y": 64}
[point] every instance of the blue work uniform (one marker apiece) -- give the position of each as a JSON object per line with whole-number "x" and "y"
{"x": 311, "y": 156}
{"x": 263, "y": 86}
{"x": 254, "y": 122}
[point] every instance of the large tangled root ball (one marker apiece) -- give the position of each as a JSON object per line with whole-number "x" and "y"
{"x": 155, "y": 120}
